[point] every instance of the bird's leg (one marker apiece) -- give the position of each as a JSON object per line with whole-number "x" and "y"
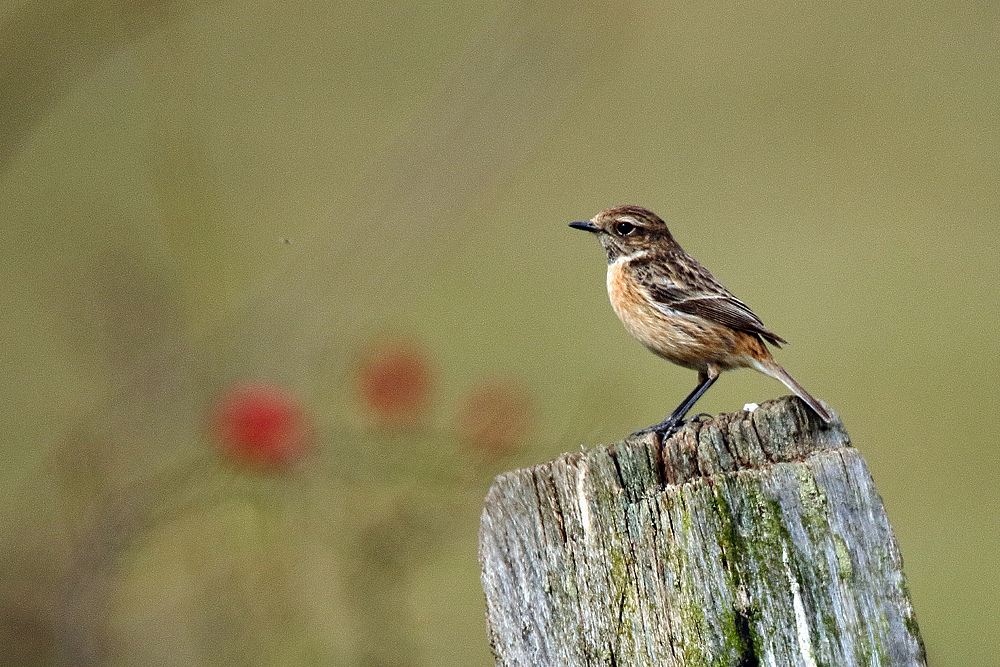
{"x": 675, "y": 420}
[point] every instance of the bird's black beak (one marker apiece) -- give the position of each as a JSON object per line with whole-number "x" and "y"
{"x": 586, "y": 226}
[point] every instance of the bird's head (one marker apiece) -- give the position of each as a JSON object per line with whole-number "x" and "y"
{"x": 626, "y": 231}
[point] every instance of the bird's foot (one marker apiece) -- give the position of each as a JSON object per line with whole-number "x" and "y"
{"x": 669, "y": 426}
{"x": 641, "y": 432}
{"x": 664, "y": 429}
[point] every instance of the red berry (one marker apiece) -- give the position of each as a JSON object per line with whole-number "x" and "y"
{"x": 261, "y": 424}
{"x": 495, "y": 419}
{"x": 394, "y": 382}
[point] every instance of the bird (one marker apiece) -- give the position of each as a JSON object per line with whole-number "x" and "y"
{"x": 676, "y": 308}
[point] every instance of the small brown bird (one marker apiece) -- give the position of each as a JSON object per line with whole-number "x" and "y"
{"x": 678, "y": 310}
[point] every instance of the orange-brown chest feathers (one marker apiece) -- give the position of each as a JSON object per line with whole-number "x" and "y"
{"x": 684, "y": 339}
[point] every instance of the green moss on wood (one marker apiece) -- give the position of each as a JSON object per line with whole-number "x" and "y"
{"x": 844, "y": 565}
{"x": 716, "y": 569}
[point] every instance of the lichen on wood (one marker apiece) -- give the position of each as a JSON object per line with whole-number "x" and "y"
{"x": 748, "y": 539}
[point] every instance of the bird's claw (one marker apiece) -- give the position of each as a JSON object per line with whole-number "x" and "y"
{"x": 668, "y": 429}
{"x": 668, "y": 426}
{"x": 698, "y": 417}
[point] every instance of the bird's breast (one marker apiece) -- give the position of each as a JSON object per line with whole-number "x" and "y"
{"x": 679, "y": 337}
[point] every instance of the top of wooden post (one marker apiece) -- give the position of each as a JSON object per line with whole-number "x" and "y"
{"x": 776, "y": 431}
{"x": 746, "y": 539}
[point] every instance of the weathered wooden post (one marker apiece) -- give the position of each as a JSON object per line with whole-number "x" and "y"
{"x": 749, "y": 539}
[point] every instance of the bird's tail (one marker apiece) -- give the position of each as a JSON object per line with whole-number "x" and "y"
{"x": 779, "y": 373}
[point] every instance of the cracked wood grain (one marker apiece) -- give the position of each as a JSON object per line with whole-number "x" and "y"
{"x": 745, "y": 540}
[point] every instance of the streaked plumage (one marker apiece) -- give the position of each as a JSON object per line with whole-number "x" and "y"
{"x": 675, "y": 307}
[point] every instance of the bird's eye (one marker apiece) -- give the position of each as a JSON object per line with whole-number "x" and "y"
{"x": 624, "y": 228}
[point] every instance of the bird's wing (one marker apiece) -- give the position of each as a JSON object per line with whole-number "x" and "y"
{"x": 715, "y": 304}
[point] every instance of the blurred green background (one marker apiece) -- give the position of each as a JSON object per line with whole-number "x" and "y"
{"x": 194, "y": 194}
